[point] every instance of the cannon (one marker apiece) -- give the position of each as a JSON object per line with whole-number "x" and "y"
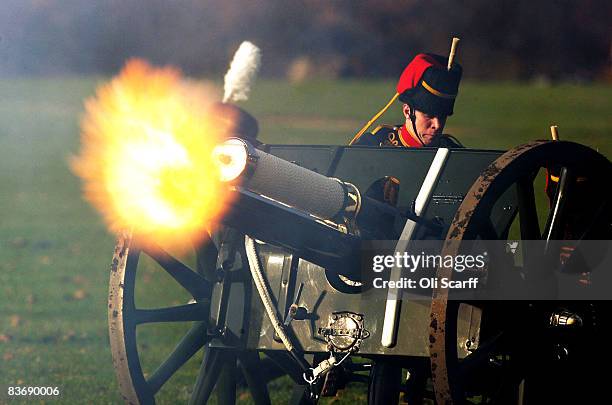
{"x": 278, "y": 289}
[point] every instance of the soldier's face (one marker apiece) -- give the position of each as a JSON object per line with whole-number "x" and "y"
{"x": 428, "y": 126}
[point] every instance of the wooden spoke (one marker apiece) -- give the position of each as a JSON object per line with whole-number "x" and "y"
{"x": 595, "y": 224}
{"x": 251, "y": 369}
{"x": 183, "y": 313}
{"x": 528, "y": 214}
{"x": 191, "y": 281}
{"x": 385, "y": 383}
{"x": 487, "y": 232}
{"x": 226, "y": 386}
{"x": 207, "y": 377}
{"x": 188, "y": 346}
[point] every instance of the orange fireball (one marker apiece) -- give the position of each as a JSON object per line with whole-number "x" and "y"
{"x": 145, "y": 157}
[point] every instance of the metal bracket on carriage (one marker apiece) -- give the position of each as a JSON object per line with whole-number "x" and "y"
{"x": 345, "y": 332}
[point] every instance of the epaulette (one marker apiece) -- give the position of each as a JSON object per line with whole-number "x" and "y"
{"x": 387, "y": 135}
{"x": 378, "y": 137}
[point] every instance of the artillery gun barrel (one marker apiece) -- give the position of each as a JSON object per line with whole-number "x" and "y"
{"x": 319, "y": 218}
{"x": 283, "y": 181}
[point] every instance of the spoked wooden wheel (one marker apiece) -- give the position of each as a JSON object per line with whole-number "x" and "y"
{"x": 220, "y": 368}
{"x": 454, "y": 378}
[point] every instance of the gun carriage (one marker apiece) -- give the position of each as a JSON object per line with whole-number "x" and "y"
{"x": 306, "y": 211}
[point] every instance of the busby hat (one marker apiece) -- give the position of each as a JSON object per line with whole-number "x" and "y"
{"x": 428, "y": 85}
{"x": 233, "y": 121}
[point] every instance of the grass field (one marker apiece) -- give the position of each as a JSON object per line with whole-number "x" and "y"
{"x": 55, "y": 252}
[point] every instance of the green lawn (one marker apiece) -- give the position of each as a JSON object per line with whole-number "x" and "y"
{"x": 487, "y": 115}
{"x": 55, "y": 252}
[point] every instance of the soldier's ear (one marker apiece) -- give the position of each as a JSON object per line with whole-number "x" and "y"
{"x": 406, "y": 110}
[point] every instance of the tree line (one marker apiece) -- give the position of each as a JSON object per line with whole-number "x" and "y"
{"x": 518, "y": 39}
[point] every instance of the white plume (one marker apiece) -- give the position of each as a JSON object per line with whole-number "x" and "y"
{"x": 241, "y": 73}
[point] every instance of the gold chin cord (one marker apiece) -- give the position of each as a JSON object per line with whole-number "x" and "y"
{"x": 373, "y": 119}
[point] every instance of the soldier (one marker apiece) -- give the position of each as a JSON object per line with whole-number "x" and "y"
{"x": 427, "y": 88}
